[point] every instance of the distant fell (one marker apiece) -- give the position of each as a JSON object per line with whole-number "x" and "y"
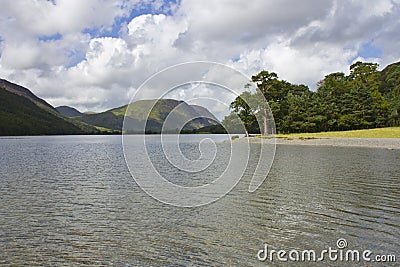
{"x": 139, "y": 118}
{"x": 68, "y": 111}
{"x": 204, "y": 112}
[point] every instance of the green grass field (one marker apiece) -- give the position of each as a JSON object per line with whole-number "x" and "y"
{"x": 389, "y": 132}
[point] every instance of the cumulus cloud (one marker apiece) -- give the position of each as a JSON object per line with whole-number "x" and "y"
{"x": 305, "y": 66}
{"x": 94, "y": 54}
{"x": 44, "y": 17}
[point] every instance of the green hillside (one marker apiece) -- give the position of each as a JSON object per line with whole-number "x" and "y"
{"x": 24, "y": 92}
{"x": 23, "y": 113}
{"x": 137, "y": 118}
{"x": 20, "y": 116}
{"x": 106, "y": 120}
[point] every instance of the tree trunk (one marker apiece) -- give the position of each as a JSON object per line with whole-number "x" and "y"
{"x": 265, "y": 131}
{"x": 265, "y": 125}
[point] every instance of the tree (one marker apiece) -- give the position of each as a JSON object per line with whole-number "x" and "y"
{"x": 353, "y": 101}
{"x": 233, "y": 124}
{"x": 329, "y": 99}
{"x": 390, "y": 89}
{"x": 274, "y": 92}
{"x": 371, "y": 107}
{"x": 241, "y": 107}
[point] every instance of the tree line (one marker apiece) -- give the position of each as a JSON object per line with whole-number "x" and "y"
{"x": 366, "y": 98}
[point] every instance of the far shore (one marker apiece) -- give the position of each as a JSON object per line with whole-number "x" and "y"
{"x": 387, "y": 143}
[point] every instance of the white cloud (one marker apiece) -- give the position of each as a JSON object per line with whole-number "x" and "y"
{"x": 20, "y": 56}
{"x": 306, "y": 66}
{"x": 42, "y": 17}
{"x": 301, "y": 41}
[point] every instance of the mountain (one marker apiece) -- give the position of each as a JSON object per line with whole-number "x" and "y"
{"x": 22, "y": 91}
{"x": 179, "y": 113}
{"x": 105, "y": 119}
{"x": 68, "y": 111}
{"x": 205, "y": 113}
{"x": 23, "y": 113}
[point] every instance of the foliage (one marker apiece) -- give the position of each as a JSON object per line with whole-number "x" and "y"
{"x": 390, "y": 88}
{"x": 366, "y": 98}
{"x": 233, "y": 124}
{"x": 234, "y": 137}
{"x": 212, "y": 129}
{"x": 245, "y": 113}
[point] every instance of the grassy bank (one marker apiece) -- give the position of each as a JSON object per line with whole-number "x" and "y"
{"x": 389, "y": 132}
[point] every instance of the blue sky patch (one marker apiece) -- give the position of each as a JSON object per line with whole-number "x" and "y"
{"x": 143, "y": 9}
{"x": 48, "y": 38}
{"x": 368, "y": 50}
{"x": 74, "y": 57}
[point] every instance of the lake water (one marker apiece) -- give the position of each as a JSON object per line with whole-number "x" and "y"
{"x": 70, "y": 200}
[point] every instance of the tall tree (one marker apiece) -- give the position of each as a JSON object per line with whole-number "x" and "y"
{"x": 276, "y": 93}
{"x": 390, "y": 88}
{"x": 371, "y": 107}
{"x": 246, "y": 114}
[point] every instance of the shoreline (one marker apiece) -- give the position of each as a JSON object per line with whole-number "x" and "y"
{"x": 387, "y": 143}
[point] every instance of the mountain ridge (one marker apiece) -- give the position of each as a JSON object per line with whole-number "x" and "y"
{"x": 68, "y": 111}
{"x": 23, "y": 113}
{"x": 21, "y": 116}
{"x": 138, "y": 117}
{"x": 23, "y": 91}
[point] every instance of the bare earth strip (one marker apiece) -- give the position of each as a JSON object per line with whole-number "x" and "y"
{"x": 388, "y": 143}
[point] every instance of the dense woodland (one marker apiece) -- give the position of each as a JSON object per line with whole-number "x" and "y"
{"x": 366, "y": 98}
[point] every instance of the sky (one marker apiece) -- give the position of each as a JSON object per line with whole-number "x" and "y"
{"x": 94, "y": 54}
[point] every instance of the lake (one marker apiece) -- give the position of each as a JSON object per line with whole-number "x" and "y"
{"x": 70, "y": 200}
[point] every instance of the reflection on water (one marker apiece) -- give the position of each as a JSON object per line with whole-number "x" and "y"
{"x": 71, "y": 201}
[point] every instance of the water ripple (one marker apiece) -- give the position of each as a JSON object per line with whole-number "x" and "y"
{"x": 71, "y": 201}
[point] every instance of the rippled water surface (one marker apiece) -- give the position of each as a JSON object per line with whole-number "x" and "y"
{"x": 70, "y": 200}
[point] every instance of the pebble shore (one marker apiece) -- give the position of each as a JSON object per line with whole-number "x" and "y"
{"x": 387, "y": 143}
